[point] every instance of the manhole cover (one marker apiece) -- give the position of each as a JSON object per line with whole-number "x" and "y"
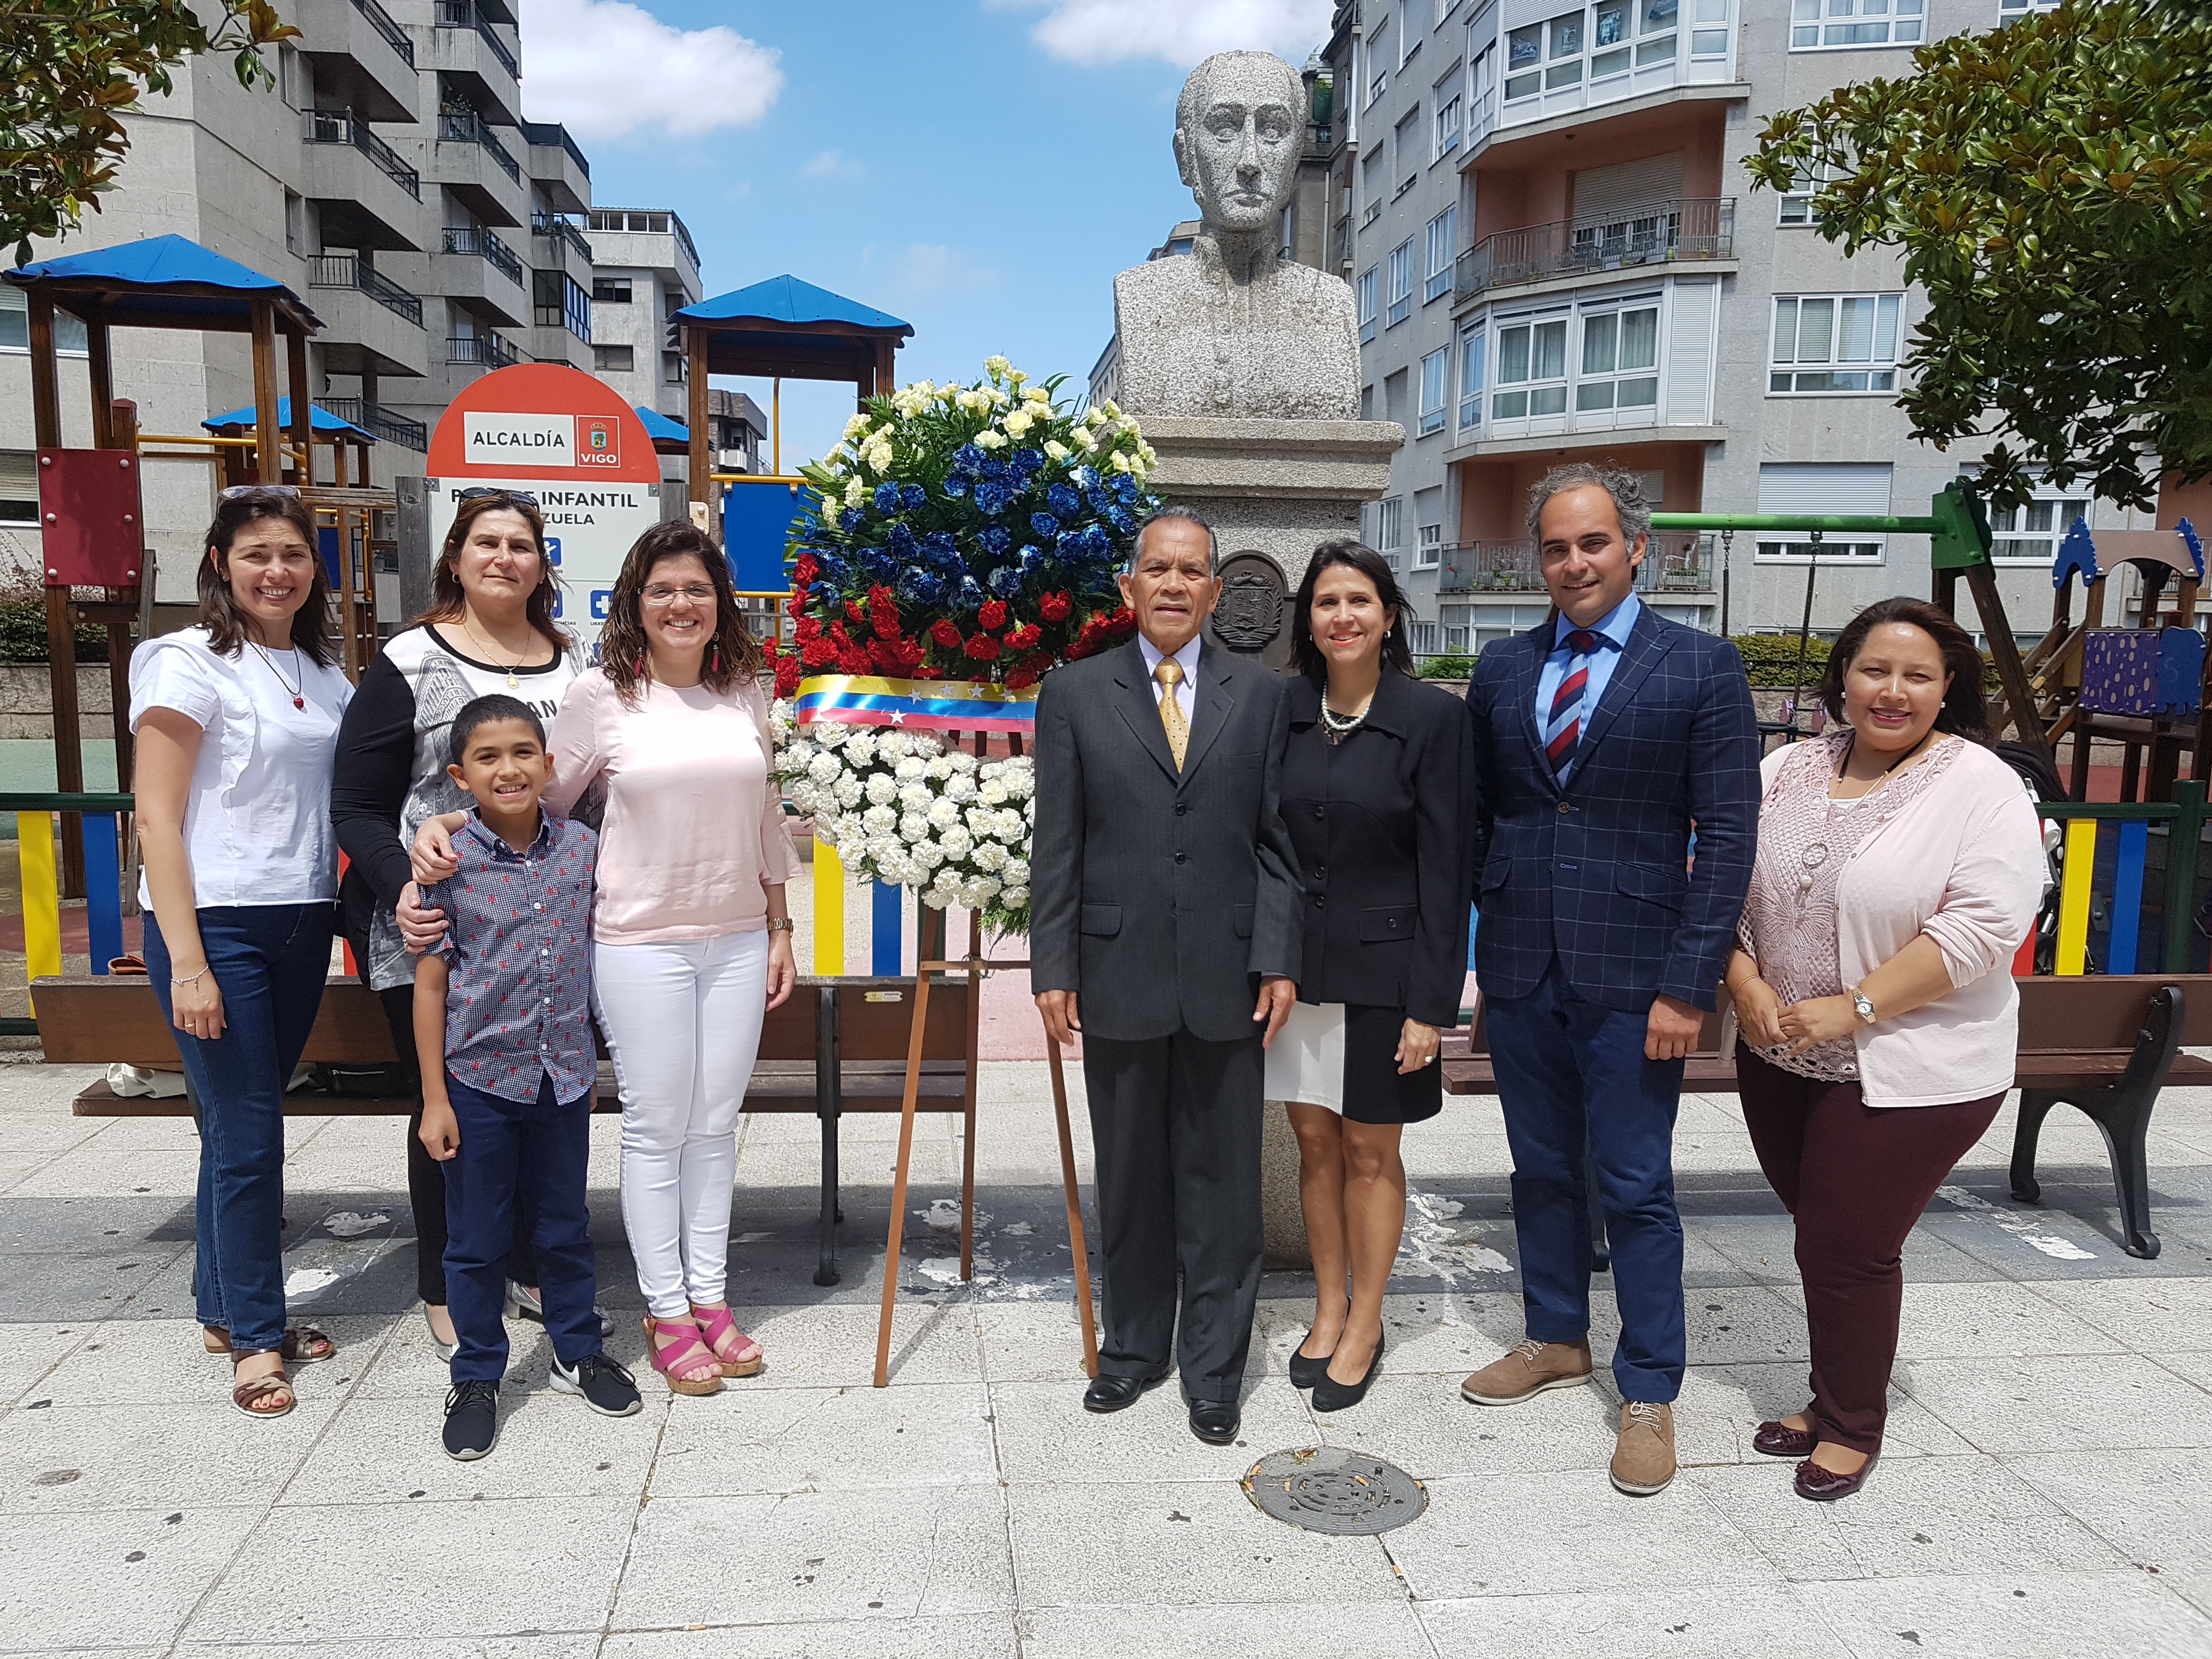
{"x": 1330, "y": 1489}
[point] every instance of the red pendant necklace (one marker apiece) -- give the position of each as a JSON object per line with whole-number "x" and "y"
{"x": 299, "y": 701}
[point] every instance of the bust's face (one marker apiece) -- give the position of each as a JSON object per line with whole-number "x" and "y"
{"x": 1239, "y": 152}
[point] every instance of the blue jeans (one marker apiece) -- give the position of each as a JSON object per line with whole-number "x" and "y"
{"x": 1572, "y": 1076}
{"x": 517, "y": 1158}
{"x": 269, "y": 962}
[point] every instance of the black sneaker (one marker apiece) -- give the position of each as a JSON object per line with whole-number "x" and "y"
{"x": 471, "y": 1420}
{"x": 602, "y": 1384}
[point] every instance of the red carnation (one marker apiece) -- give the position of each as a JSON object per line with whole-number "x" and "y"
{"x": 853, "y": 661}
{"x": 817, "y": 653}
{"x": 1123, "y": 620}
{"x": 993, "y": 613}
{"x": 1037, "y": 661}
{"x": 1019, "y": 678}
{"x": 1082, "y": 647}
{"x": 982, "y": 647}
{"x": 909, "y": 653}
{"x": 924, "y": 672}
{"x": 803, "y": 570}
{"x": 810, "y": 628}
{"x": 797, "y": 606}
{"x": 885, "y": 657}
{"x": 1054, "y": 607}
{"x": 786, "y": 675}
{"x": 1024, "y": 637}
{"x": 856, "y": 613}
{"x": 945, "y": 632}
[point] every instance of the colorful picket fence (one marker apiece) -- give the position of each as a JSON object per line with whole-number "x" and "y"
{"x": 2090, "y": 830}
{"x": 40, "y": 880}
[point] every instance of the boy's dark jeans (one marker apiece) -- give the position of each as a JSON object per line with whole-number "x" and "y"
{"x": 537, "y": 1154}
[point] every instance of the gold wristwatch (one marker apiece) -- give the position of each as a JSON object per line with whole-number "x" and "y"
{"x": 1860, "y": 1002}
{"x": 781, "y": 924}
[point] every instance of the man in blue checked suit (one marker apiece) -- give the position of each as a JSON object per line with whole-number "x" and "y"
{"x": 1603, "y": 739}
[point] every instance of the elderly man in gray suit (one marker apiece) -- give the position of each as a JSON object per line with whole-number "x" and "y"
{"x": 1164, "y": 927}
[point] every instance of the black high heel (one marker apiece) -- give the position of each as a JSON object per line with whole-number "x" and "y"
{"x": 1306, "y": 1372}
{"x": 1331, "y": 1396}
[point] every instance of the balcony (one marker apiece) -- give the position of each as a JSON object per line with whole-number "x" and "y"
{"x": 359, "y": 55}
{"x": 1676, "y": 562}
{"x": 464, "y": 127}
{"x": 462, "y": 14}
{"x": 1660, "y": 232}
{"x": 475, "y": 241}
{"x": 367, "y": 194}
{"x": 345, "y": 270}
{"x": 339, "y": 126}
{"x": 1611, "y": 55}
{"x": 557, "y": 167}
{"x": 471, "y": 57}
{"x": 490, "y": 351}
{"x": 389, "y": 427}
{"x": 565, "y": 247}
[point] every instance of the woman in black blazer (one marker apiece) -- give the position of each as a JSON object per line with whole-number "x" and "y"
{"x": 1377, "y": 782}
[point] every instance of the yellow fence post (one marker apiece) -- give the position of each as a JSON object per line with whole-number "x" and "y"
{"x": 2074, "y": 896}
{"x": 828, "y": 911}
{"x": 42, "y": 904}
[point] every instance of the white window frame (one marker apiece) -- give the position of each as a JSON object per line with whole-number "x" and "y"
{"x": 1613, "y": 329}
{"x": 1378, "y": 54}
{"x": 1401, "y": 295}
{"x": 1445, "y": 126}
{"x": 1423, "y": 641}
{"x": 2011, "y": 11}
{"x": 1527, "y": 374}
{"x": 70, "y": 336}
{"x": 1567, "y": 336}
{"x": 1565, "y": 50}
{"x": 1443, "y": 236}
{"x": 1390, "y": 528}
{"x": 1884, "y": 335}
{"x": 1481, "y": 86}
{"x": 1794, "y": 209}
{"x": 1473, "y": 360}
{"x": 2016, "y": 537}
{"x": 1458, "y": 623}
{"x": 1436, "y": 381}
{"x": 1863, "y": 551}
{"x": 1816, "y": 25}
{"x": 23, "y": 464}
{"x": 1429, "y": 550}
{"x": 1367, "y": 288}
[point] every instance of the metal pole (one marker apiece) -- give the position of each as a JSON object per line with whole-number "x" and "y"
{"x": 775, "y": 429}
{"x": 1804, "y": 632}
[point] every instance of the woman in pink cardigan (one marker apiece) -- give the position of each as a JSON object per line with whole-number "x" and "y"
{"x": 1899, "y": 866}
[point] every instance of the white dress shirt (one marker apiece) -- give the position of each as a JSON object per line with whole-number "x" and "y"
{"x": 1186, "y": 688}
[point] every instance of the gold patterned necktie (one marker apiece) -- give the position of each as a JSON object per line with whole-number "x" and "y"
{"x": 1169, "y": 675}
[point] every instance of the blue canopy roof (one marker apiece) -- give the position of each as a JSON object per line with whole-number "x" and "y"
{"x": 161, "y": 281}
{"x": 787, "y": 300}
{"x": 661, "y": 428}
{"x": 320, "y": 418}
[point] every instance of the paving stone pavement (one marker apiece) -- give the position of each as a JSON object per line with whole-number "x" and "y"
{"x": 2044, "y": 1494}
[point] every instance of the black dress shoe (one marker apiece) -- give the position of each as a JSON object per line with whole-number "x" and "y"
{"x": 1825, "y": 1485}
{"x": 1215, "y": 1421}
{"x": 1113, "y": 1394}
{"x": 1331, "y": 1396}
{"x": 1306, "y": 1372}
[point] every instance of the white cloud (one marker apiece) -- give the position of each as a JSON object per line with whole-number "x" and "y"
{"x": 932, "y": 267}
{"x": 1181, "y": 32}
{"x": 830, "y": 164}
{"x": 605, "y": 69}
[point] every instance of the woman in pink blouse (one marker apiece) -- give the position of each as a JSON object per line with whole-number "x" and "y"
{"x": 691, "y": 940}
{"x": 1899, "y": 866}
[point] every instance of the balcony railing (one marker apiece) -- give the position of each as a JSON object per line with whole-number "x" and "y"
{"x": 467, "y": 127}
{"x": 550, "y": 133}
{"x": 476, "y": 239}
{"x": 394, "y": 36}
{"x": 1655, "y": 233}
{"x": 346, "y": 271}
{"x": 341, "y": 126}
{"x": 462, "y": 14}
{"x": 376, "y": 418}
{"x": 491, "y": 350}
{"x": 1677, "y": 562}
{"x": 561, "y": 230}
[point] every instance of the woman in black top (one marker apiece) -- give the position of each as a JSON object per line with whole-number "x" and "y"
{"x": 1377, "y": 782}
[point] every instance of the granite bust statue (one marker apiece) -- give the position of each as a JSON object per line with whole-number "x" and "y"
{"x": 1231, "y": 331}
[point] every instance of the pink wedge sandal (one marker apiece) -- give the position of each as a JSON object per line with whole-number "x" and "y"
{"x": 682, "y": 1351}
{"x": 737, "y": 1354}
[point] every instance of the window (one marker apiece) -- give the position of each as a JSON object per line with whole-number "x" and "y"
{"x": 1852, "y": 337}
{"x": 1596, "y": 43}
{"x": 295, "y": 220}
{"x": 1474, "y": 345}
{"x": 1447, "y": 119}
{"x": 1366, "y": 292}
{"x": 2031, "y": 534}
{"x": 1425, "y": 638}
{"x": 675, "y": 368}
{"x": 1619, "y": 359}
{"x": 1443, "y": 234}
{"x": 19, "y": 487}
{"x": 1859, "y": 488}
{"x": 558, "y": 300}
{"x": 1826, "y": 23}
{"x": 1378, "y": 60}
{"x": 614, "y": 359}
{"x": 15, "y": 324}
{"x": 1401, "y": 283}
{"x": 610, "y": 290}
{"x": 1455, "y": 618}
{"x": 1429, "y": 553}
{"x": 1796, "y": 207}
{"x": 1481, "y": 86}
{"x": 1406, "y": 138}
{"x": 1531, "y": 370}
{"x": 2012, "y": 10}
{"x": 1432, "y": 390}
{"x": 1390, "y": 528}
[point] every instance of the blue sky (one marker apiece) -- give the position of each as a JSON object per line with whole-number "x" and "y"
{"x": 979, "y": 168}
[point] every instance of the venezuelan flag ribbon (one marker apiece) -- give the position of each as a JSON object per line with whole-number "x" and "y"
{"x": 923, "y": 705}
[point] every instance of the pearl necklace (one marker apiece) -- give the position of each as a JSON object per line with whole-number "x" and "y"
{"x": 1337, "y": 725}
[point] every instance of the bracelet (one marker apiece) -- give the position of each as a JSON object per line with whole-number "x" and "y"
{"x": 194, "y": 980}
{"x": 782, "y": 925}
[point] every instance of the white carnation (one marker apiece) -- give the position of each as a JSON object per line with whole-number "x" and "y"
{"x": 894, "y": 744}
{"x": 989, "y": 856}
{"x": 1055, "y": 450}
{"x": 989, "y": 438}
{"x": 981, "y": 820}
{"x": 913, "y": 826}
{"x": 960, "y": 787}
{"x": 940, "y": 767}
{"x": 994, "y": 792}
{"x": 1013, "y": 827}
{"x": 879, "y": 820}
{"x": 1013, "y": 897}
{"x": 860, "y": 747}
{"x": 957, "y": 841}
{"x": 882, "y": 788}
{"x": 1017, "y": 423}
{"x": 855, "y": 427}
{"x": 825, "y": 769}
{"x": 848, "y": 791}
{"x": 916, "y": 796}
{"x": 943, "y": 812}
{"x": 856, "y": 493}
{"x": 1016, "y": 873}
{"x": 962, "y": 761}
{"x": 925, "y": 855}
{"x": 910, "y": 768}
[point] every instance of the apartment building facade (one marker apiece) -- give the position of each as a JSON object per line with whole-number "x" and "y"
{"x": 389, "y": 179}
{"x": 1556, "y": 254}
{"x": 645, "y": 268}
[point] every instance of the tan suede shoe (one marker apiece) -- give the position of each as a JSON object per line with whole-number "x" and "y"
{"x": 1527, "y": 1371}
{"x": 1644, "y": 1455}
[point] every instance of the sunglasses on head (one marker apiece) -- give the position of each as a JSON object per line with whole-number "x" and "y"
{"x": 482, "y": 494}
{"x": 253, "y": 491}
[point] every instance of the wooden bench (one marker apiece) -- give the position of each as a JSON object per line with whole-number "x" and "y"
{"x": 2104, "y": 1044}
{"x": 836, "y": 1046}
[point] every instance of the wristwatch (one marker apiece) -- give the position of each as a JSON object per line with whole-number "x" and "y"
{"x": 1860, "y": 1002}
{"x": 785, "y": 924}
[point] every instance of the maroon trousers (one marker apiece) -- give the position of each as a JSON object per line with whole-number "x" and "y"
{"x": 1856, "y": 1177}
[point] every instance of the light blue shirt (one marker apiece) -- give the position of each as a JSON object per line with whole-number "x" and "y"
{"x": 1615, "y": 625}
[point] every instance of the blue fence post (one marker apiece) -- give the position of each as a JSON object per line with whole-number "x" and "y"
{"x": 103, "y": 897}
{"x": 888, "y": 926}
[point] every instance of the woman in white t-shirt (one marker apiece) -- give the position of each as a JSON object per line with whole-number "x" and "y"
{"x": 236, "y": 722}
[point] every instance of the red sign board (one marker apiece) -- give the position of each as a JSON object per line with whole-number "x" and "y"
{"x": 542, "y": 421}
{"x": 89, "y": 510}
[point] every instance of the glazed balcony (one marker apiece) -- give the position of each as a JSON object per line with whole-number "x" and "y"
{"x": 1657, "y": 233}
{"x": 1676, "y": 562}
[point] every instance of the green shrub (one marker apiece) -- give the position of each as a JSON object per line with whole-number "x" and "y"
{"x": 1771, "y": 660}
{"x": 23, "y": 627}
{"x": 1446, "y": 668}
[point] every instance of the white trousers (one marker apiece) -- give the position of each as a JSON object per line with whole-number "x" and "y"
{"x": 683, "y": 1024}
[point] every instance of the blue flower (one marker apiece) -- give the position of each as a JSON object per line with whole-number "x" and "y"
{"x": 913, "y": 497}
{"x": 997, "y": 538}
{"x": 1098, "y": 500}
{"x": 1065, "y": 502}
{"x": 956, "y": 484}
{"x": 887, "y": 499}
{"x": 969, "y": 458}
{"x": 992, "y": 467}
{"x": 1044, "y": 524}
{"x": 993, "y": 497}
{"x": 939, "y": 544}
{"x": 833, "y": 572}
{"x": 901, "y": 541}
{"x": 1122, "y": 519}
{"x": 851, "y": 519}
{"x": 1084, "y": 477}
{"x": 1026, "y": 462}
{"x": 922, "y": 587}
{"x": 1125, "y": 488}
{"x": 1005, "y": 581}
{"x": 970, "y": 596}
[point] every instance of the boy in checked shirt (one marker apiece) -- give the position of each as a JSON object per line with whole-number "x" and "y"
{"x": 502, "y": 1025}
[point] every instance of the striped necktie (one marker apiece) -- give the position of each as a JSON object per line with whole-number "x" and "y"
{"x": 1563, "y": 726}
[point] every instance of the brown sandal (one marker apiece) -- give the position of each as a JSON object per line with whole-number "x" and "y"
{"x": 303, "y": 1344}
{"x": 244, "y": 1394}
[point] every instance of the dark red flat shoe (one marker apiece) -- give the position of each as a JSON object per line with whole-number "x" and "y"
{"x": 1825, "y": 1485}
{"x": 1779, "y": 1440}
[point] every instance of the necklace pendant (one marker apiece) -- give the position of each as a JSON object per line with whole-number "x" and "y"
{"x": 512, "y": 683}
{"x": 299, "y": 702}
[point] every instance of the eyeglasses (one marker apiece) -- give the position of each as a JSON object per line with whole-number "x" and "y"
{"x": 697, "y": 592}
{"x": 250, "y": 492}
{"x": 481, "y": 492}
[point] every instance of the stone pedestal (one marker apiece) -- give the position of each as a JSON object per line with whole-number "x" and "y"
{"x": 1284, "y": 1220}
